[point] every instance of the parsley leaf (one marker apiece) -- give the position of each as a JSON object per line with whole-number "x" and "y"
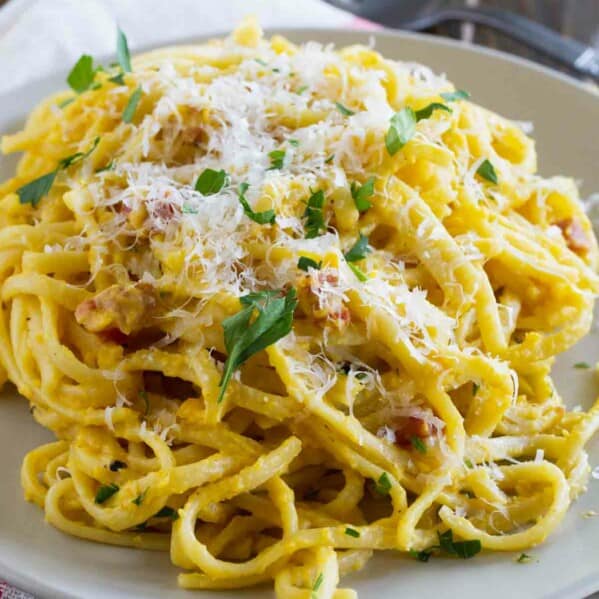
{"x": 211, "y": 182}
{"x": 301, "y": 90}
{"x": 383, "y": 484}
{"x": 487, "y": 171}
{"x": 360, "y": 274}
{"x": 524, "y": 558}
{"x": 276, "y": 159}
{"x": 421, "y": 556}
{"x": 131, "y": 107}
{"x": 418, "y": 444}
{"x": 65, "y": 102}
{"x": 401, "y": 130}
{"x": 343, "y": 110}
{"x": 261, "y": 62}
{"x": 34, "y": 191}
{"x": 293, "y": 142}
{"x": 105, "y": 492}
{"x": 139, "y": 499}
{"x": 330, "y": 159}
{"x": 244, "y": 339}
{"x": 359, "y": 250}
{"x": 463, "y": 549}
{"x": 122, "y": 52}
{"x": 117, "y": 465}
{"x": 317, "y": 584}
{"x": 64, "y": 163}
{"x": 304, "y": 263}
{"x": 262, "y": 218}
{"x": 468, "y": 463}
{"x": 314, "y": 215}
{"x": 108, "y": 167}
{"x": 582, "y": 365}
{"x": 352, "y": 532}
{"x": 82, "y": 75}
{"x": 360, "y": 194}
{"x": 167, "y": 512}
{"x": 427, "y": 111}
{"x": 458, "y": 94}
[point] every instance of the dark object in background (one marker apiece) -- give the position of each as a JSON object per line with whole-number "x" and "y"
{"x": 538, "y": 32}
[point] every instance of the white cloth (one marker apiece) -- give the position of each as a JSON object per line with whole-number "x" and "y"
{"x": 38, "y": 37}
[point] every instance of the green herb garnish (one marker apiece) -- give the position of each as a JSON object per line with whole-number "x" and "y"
{"x": 330, "y": 159}
{"x": 244, "y": 339}
{"x": 352, "y": 532}
{"x": 383, "y": 484}
{"x": 468, "y": 463}
{"x": 401, "y": 130}
{"x": 131, "y": 107}
{"x": 421, "y": 556}
{"x": 105, "y": 492}
{"x": 361, "y": 193}
{"x": 316, "y": 585}
{"x": 487, "y": 171}
{"x": 34, "y": 191}
{"x": 427, "y": 111}
{"x": 108, "y": 167}
{"x": 524, "y": 558}
{"x": 359, "y": 250}
{"x": 167, "y": 512}
{"x": 302, "y": 89}
{"x": 262, "y": 218}
{"x": 277, "y": 158}
{"x": 475, "y": 389}
{"x": 582, "y": 365}
{"x": 314, "y": 215}
{"x": 65, "y": 102}
{"x": 304, "y": 263}
{"x": 139, "y": 499}
{"x": 211, "y": 182}
{"x": 82, "y": 75}
{"x": 261, "y": 62}
{"x": 360, "y": 274}
{"x": 293, "y": 142}
{"x": 117, "y": 465}
{"x": 458, "y": 94}
{"x": 418, "y": 444}
{"x": 122, "y": 51}
{"x": 343, "y": 110}
{"x": 463, "y": 549}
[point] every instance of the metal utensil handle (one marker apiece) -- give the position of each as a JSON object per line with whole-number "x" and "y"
{"x": 582, "y": 59}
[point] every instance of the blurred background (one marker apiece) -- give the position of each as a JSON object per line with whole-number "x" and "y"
{"x": 576, "y": 19}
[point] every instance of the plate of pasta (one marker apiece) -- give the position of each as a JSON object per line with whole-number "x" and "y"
{"x": 299, "y": 313}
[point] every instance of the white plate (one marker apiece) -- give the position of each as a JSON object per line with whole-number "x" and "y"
{"x": 38, "y": 558}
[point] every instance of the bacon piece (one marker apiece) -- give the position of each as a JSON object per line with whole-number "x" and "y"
{"x": 407, "y": 427}
{"x": 125, "y": 309}
{"x": 576, "y": 237}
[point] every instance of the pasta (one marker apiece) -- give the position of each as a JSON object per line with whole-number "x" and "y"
{"x": 284, "y": 306}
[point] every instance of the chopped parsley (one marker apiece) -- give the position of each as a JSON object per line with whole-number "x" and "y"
{"x": 261, "y": 62}
{"x": 82, "y": 75}
{"x": 361, "y": 193}
{"x": 344, "y": 110}
{"x": 108, "y": 167}
{"x": 524, "y": 558}
{"x": 131, "y": 107}
{"x": 427, "y": 111}
{"x": 122, "y": 51}
{"x": 139, "y": 499}
{"x": 167, "y": 512}
{"x": 383, "y": 484}
{"x": 302, "y": 89}
{"x": 293, "y": 142}
{"x": 105, "y": 492}
{"x": 262, "y": 218}
{"x": 314, "y": 215}
{"x": 401, "y": 129}
{"x": 304, "y": 263}
{"x": 359, "y": 250}
{"x": 244, "y": 339}
{"x": 211, "y": 182}
{"x": 461, "y": 549}
{"x": 475, "y": 389}
{"x": 418, "y": 444}
{"x": 582, "y": 365}
{"x": 458, "y": 94}
{"x": 316, "y": 585}
{"x": 34, "y": 191}
{"x": 330, "y": 159}
{"x": 117, "y": 465}
{"x": 352, "y": 532}
{"x": 65, "y": 102}
{"x": 277, "y": 157}
{"x": 468, "y": 463}
{"x": 487, "y": 171}
{"x": 360, "y": 274}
